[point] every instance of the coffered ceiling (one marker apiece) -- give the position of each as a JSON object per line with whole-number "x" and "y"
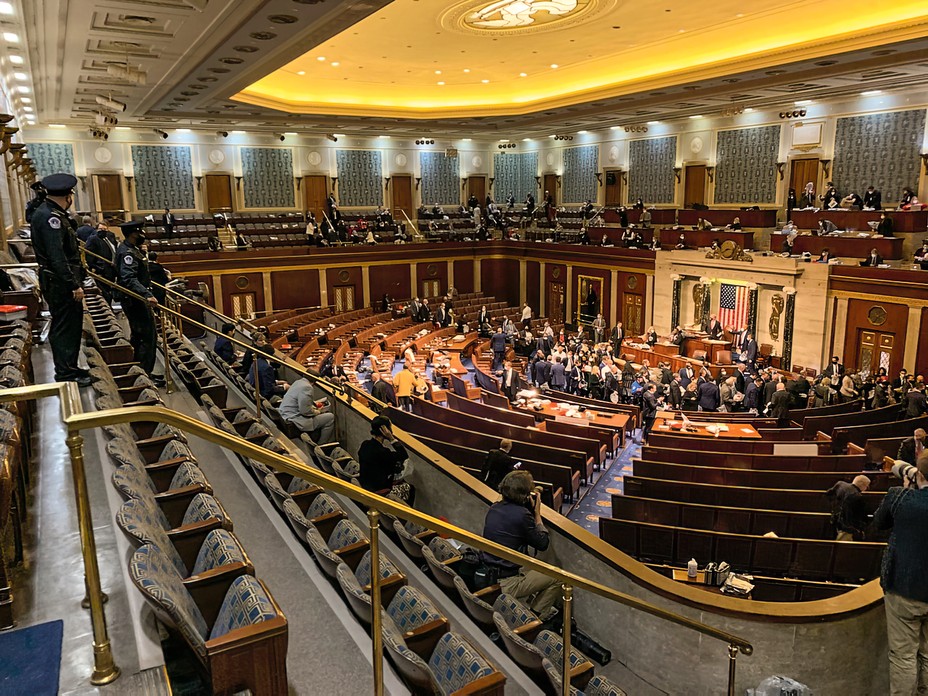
{"x": 236, "y": 64}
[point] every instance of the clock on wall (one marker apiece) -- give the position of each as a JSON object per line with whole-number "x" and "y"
{"x": 877, "y": 315}
{"x": 314, "y": 158}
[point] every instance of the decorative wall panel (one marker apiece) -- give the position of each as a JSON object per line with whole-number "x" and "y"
{"x": 514, "y": 173}
{"x": 441, "y": 179}
{"x": 579, "y": 180}
{"x": 650, "y": 169}
{"x": 163, "y": 177}
{"x": 267, "y": 177}
{"x": 746, "y": 169}
{"x": 52, "y": 158}
{"x": 360, "y": 178}
{"x": 880, "y": 150}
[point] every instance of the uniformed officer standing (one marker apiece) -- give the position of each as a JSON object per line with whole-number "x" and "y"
{"x": 54, "y": 240}
{"x": 132, "y": 274}
{"x": 36, "y": 200}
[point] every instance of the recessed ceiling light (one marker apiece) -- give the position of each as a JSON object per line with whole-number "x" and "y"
{"x": 749, "y": 110}
{"x": 26, "y": 100}
{"x": 522, "y": 74}
{"x": 696, "y": 116}
{"x": 583, "y": 132}
{"x": 11, "y": 37}
{"x": 6, "y": 8}
{"x": 504, "y": 140}
{"x": 301, "y": 72}
{"x": 438, "y": 72}
{"x": 123, "y": 128}
{"x": 486, "y": 82}
{"x": 16, "y": 60}
{"x": 322, "y": 58}
{"x": 21, "y": 76}
{"x": 182, "y": 130}
{"x": 653, "y": 123}
{"x": 386, "y": 137}
{"x": 803, "y": 102}
{"x": 334, "y": 63}
{"x": 291, "y": 133}
{"x": 465, "y": 140}
{"x": 614, "y": 127}
{"x": 441, "y": 82}
{"x": 55, "y": 125}
{"x": 871, "y": 93}
{"x": 27, "y": 109}
{"x": 554, "y": 66}
{"x": 526, "y": 140}
{"x": 339, "y": 135}
{"x": 237, "y": 132}
{"x": 23, "y": 89}
{"x": 552, "y": 136}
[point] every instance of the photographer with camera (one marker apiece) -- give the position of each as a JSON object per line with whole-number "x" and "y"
{"x": 904, "y": 510}
{"x": 515, "y": 521}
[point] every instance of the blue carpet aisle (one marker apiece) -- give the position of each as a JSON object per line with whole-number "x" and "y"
{"x": 30, "y": 660}
{"x": 597, "y": 502}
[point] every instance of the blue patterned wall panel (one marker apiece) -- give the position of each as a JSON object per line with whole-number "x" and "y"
{"x": 267, "y": 177}
{"x": 747, "y": 165}
{"x": 441, "y": 179}
{"x": 650, "y": 169}
{"x": 360, "y": 178}
{"x": 52, "y": 158}
{"x": 880, "y": 150}
{"x": 163, "y": 177}
{"x": 514, "y": 173}
{"x": 580, "y": 167}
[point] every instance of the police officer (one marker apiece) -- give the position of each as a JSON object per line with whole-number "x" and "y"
{"x": 36, "y": 200}
{"x": 54, "y": 240}
{"x": 133, "y": 275}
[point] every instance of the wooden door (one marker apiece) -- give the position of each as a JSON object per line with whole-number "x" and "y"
{"x": 694, "y": 190}
{"x": 402, "y": 196}
{"x": 801, "y": 172}
{"x": 218, "y": 193}
{"x": 875, "y": 350}
{"x": 477, "y": 186}
{"x": 613, "y": 188}
{"x": 243, "y": 304}
{"x": 109, "y": 193}
{"x": 550, "y": 182}
{"x": 314, "y": 194}
{"x": 633, "y": 314}
{"x": 430, "y": 288}
{"x": 554, "y": 303}
{"x": 344, "y": 298}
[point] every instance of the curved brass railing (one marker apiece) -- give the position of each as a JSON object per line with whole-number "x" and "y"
{"x": 105, "y": 669}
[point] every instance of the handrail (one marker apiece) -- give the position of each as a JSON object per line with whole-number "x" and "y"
{"x": 76, "y": 420}
{"x": 414, "y": 225}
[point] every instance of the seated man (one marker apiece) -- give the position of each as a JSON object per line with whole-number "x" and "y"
{"x": 911, "y": 447}
{"x": 268, "y": 384}
{"x": 873, "y": 260}
{"x": 223, "y": 347}
{"x": 826, "y": 227}
{"x": 921, "y": 254}
{"x": 515, "y": 522}
{"x": 300, "y": 408}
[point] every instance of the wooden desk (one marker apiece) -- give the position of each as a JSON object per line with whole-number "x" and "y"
{"x": 677, "y": 362}
{"x": 736, "y": 431}
{"x": 663, "y": 216}
{"x": 712, "y": 348}
{"x": 903, "y": 220}
{"x": 720, "y": 218}
{"x": 614, "y": 421}
{"x": 704, "y": 238}
{"x": 847, "y": 246}
{"x": 614, "y": 234}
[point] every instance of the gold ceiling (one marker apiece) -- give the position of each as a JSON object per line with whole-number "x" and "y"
{"x": 426, "y": 58}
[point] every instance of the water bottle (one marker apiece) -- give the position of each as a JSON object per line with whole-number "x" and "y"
{"x": 691, "y": 569}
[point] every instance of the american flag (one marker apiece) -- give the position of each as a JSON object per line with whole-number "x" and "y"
{"x": 733, "y": 306}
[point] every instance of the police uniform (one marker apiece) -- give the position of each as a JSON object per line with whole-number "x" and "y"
{"x": 36, "y": 200}
{"x": 133, "y": 275}
{"x": 57, "y": 252}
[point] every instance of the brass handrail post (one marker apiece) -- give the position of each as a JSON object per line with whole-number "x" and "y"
{"x": 568, "y": 611}
{"x": 376, "y": 624}
{"x": 254, "y": 366}
{"x": 169, "y": 387}
{"x": 104, "y": 668}
{"x": 732, "y": 663}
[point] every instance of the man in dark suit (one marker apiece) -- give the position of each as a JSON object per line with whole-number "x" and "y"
{"x": 873, "y": 260}
{"x": 382, "y": 390}
{"x": 779, "y": 405}
{"x": 714, "y": 328}
{"x": 509, "y": 381}
{"x": 497, "y": 464}
{"x": 557, "y": 379}
{"x": 676, "y": 392}
{"x": 483, "y": 316}
{"x": 709, "y": 396}
{"x": 873, "y": 199}
{"x": 687, "y": 375}
{"x": 441, "y": 315}
{"x": 741, "y": 379}
{"x": 425, "y": 314}
{"x": 168, "y": 220}
{"x": 498, "y": 346}
{"x": 913, "y": 446}
{"x": 666, "y": 374}
{"x": 753, "y": 393}
{"x": 618, "y": 335}
{"x": 101, "y": 258}
{"x": 749, "y": 352}
{"x": 648, "y": 411}
{"x": 915, "y": 402}
{"x": 835, "y": 369}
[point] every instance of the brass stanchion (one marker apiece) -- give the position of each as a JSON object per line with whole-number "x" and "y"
{"x": 565, "y": 666}
{"x": 104, "y": 668}
{"x": 254, "y": 366}
{"x": 376, "y": 623}
{"x": 168, "y": 379}
{"x": 732, "y": 663}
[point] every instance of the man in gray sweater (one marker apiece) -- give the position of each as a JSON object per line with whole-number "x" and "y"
{"x": 299, "y": 407}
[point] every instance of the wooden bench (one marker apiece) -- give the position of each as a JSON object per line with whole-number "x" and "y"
{"x": 840, "y": 561}
{"x": 706, "y": 444}
{"x": 738, "y": 460}
{"x": 813, "y": 425}
{"x": 842, "y": 436}
{"x": 798, "y": 415}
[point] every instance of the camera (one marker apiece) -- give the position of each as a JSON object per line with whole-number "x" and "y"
{"x": 905, "y": 471}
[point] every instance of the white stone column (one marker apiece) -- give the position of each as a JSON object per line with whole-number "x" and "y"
{"x": 614, "y": 299}
{"x": 542, "y": 295}
{"x": 840, "y": 328}
{"x": 911, "y": 336}
{"x": 366, "y": 299}
{"x": 413, "y": 284}
{"x": 268, "y": 292}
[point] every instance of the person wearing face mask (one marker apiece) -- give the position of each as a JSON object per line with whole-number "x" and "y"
{"x": 54, "y": 239}
{"x": 133, "y": 274}
{"x": 835, "y": 370}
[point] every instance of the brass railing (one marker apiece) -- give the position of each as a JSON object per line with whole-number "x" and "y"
{"x": 105, "y": 669}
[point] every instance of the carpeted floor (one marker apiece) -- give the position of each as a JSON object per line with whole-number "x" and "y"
{"x": 597, "y": 502}
{"x": 30, "y": 660}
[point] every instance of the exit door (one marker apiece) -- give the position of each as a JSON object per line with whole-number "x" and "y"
{"x": 694, "y": 191}
{"x": 555, "y": 301}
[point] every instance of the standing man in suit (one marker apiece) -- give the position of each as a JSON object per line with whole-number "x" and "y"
{"x": 483, "y": 316}
{"x": 425, "y": 314}
{"x": 779, "y": 405}
{"x": 498, "y": 346}
{"x": 676, "y": 393}
{"x": 714, "y": 328}
{"x": 618, "y": 335}
{"x": 741, "y": 379}
{"x": 168, "y": 220}
{"x": 913, "y": 446}
{"x": 873, "y": 199}
{"x": 101, "y": 258}
{"x": 749, "y": 352}
{"x": 835, "y": 369}
{"x": 497, "y": 464}
{"x": 709, "y": 396}
{"x": 599, "y": 329}
{"x": 648, "y": 411}
{"x": 509, "y": 384}
{"x": 441, "y": 315}
{"x": 557, "y": 379}
{"x": 687, "y": 375}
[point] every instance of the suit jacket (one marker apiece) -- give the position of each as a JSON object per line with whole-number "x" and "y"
{"x": 907, "y": 449}
{"x": 779, "y": 404}
{"x": 509, "y": 383}
{"x": 873, "y": 199}
{"x": 916, "y": 404}
{"x": 739, "y": 381}
{"x": 542, "y": 371}
{"x": 558, "y": 376}
{"x": 709, "y": 396}
{"x": 687, "y": 375}
{"x": 752, "y": 396}
{"x": 498, "y": 342}
{"x": 482, "y": 316}
{"x": 676, "y": 394}
{"x": 750, "y": 351}
{"x": 714, "y": 329}
{"x": 833, "y": 371}
{"x": 871, "y": 261}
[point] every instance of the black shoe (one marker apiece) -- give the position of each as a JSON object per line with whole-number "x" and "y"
{"x": 82, "y": 381}
{"x": 158, "y": 380}
{"x": 81, "y": 372}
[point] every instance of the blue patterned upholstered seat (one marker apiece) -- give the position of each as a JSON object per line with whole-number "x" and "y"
{"x": 322, "y": 504}
{"x": 363, "y": 571}
{"x": 411, "y": 609}
{"x": 413, "y": 668}
{"x": 174, "y": 450}
{"x": 347, "y": 470}
{"x": 257, "y": 429}
{"x": 246, "y": 604}
{"x": 243, "y": 416}
{"x": 597, "y": 686}
{"x": 296, "y": 518}
{"x": 455, "y": 664}
{"x": 327, "y": 560}
{"x": 547, "y": 644}
{"x": 345, "y": 534}
{"x": 437, "y": 551}
{"x": 514, "y": 613}
{"x": 125, "y": 452}
{"x": 479, "y": 610}
{"x": 136, "y": 485}
{"x": 297, "y": 484}
{"x": 277, "y": 492}
{"x": 189, "y": 474}
{"x": 272, "y": 444}
{"x": 204, "y": 507}
{"x": 150, "y": 395}
{"x": 219, "y": 548}
{"x": 442, "y": 549}
{"x": 407, "y": 536}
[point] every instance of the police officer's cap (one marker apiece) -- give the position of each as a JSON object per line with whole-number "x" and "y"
{"x": 37, "y": 186}
{"x": 131, "y": 228}
{"x": 59, "y": 184}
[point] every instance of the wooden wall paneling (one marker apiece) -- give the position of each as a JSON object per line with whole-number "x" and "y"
{"x": 881, "y": 317}
{"x": 921, "y": 361}
{"x": 392, "y": 279}
{"x": 431, "y": 271}
{"x": 241, "y": 284}
{"x": 464, "y": 275}
{"x": 500, "y": 278}
{"x": 293, "y": 289}
{"x": 337, "y": 278}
